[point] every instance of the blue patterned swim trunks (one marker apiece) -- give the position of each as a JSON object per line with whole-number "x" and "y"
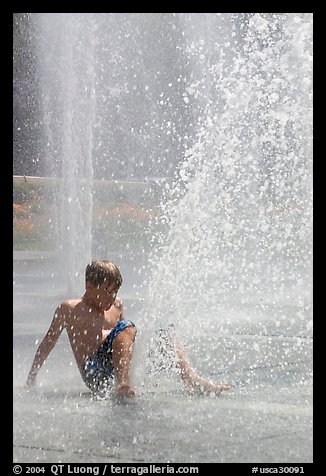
{"x": 98, "y": 371}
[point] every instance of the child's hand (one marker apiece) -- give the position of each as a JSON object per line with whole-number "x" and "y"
{"x": 28, "y": 385}
{"x": 30, "y": 382}
{"x": 124, "y": 390}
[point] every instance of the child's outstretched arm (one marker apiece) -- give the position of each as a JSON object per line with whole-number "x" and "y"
{"x": 195, "y": 382}
{"x": 46, "y": 346}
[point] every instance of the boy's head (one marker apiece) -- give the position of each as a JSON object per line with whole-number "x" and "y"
{"x": 103, "y": 271}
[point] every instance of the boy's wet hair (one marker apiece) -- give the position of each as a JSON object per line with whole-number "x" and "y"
{"x": 103, "y": 271}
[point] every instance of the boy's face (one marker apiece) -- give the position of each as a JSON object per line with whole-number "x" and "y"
{"x": 105, "y": 295}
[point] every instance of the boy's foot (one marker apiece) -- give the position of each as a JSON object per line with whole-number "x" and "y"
{"x": 209, "y": 388}
{"x": 219, "y": 388}
{"x": 215, "y": 388}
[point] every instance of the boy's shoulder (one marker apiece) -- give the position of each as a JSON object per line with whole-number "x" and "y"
{"x": 68, "y": 305}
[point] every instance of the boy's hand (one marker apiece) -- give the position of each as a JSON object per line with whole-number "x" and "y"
{"x": 30, "y": 382}
{"x": 124, "y": 390}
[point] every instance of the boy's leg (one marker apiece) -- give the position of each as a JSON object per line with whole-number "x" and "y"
{"x": 195, "y": 382}
{"x": 122, "y": 347}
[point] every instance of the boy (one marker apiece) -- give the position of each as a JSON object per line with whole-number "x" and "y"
{"x": 101, "y": 339}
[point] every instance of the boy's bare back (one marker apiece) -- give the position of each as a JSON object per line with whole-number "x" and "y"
{"x": 86, "y": 325}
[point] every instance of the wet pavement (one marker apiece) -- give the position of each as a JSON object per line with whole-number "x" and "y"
{"x": 264, "y": 351}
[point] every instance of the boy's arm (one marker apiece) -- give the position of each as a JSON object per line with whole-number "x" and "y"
{"x": 46, "y": 345}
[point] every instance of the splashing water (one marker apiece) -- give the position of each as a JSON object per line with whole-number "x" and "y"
{"x": 67, "y": 71}
{"x": 239, "y": 213}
